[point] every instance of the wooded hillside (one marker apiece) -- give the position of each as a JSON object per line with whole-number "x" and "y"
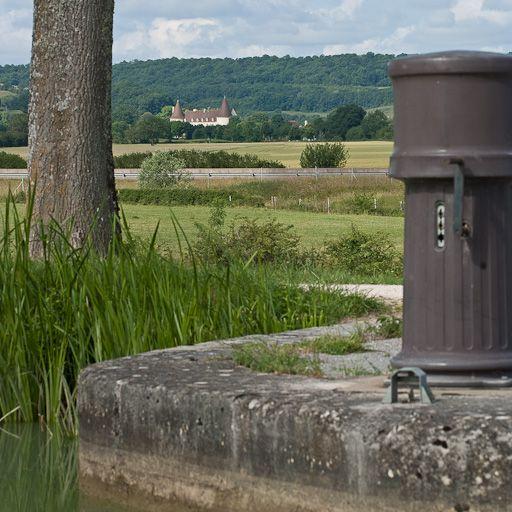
{"x": 305, "y": 84}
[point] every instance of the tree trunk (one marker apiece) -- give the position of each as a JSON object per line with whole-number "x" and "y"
{"x": 71, "y": 166}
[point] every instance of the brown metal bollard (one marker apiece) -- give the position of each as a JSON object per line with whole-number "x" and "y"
{"x": 453, "y": 150}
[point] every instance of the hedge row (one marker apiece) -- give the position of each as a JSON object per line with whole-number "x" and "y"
{"x": 178, "y": 197}
{"x": 195, "y": 159}
{"x": 130, "y": 160}
{"x": 10, "y": 161}
{"x": 186, "y": 196}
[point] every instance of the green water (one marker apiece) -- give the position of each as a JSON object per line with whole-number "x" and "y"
{"x": 39, "y": 473}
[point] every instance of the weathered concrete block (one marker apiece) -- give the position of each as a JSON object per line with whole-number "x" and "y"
{"x": 187, "y": 425}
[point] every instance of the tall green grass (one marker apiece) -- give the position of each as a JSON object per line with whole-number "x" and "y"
{"x": 72, "y": 308}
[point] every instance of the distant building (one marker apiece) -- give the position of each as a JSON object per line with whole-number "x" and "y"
{"x": 205, "y": 117}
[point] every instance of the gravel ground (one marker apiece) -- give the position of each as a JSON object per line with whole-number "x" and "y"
{"x": 392, "y": 292}
{"x": 373, "y": 362}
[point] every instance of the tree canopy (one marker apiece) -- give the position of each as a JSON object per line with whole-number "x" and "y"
{"x": 306, "y": 84}
{"x": 268, "y": 92}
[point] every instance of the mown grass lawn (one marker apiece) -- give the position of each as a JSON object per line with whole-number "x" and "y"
{"x": 371, "y": 154}
{"x": 313, "y": 228}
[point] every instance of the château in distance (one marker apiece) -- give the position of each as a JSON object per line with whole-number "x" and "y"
{"x": 205, "y": 117}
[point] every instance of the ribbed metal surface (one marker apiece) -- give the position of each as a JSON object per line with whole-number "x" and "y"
{"x": 458, "y": 299}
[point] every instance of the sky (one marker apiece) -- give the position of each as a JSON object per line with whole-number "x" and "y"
{"x": 152, "y": 29}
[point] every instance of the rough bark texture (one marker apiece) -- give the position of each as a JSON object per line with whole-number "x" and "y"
{"x": 70, "y": 161}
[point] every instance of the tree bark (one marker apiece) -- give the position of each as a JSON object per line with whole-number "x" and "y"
{"x": 71, "y": 165}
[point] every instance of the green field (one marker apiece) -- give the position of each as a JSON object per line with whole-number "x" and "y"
{"x": 6, "y": 94}
{"x": 387, "y": 109}
{"x": 313, "y": 228}
{"x": 310, "y": 220}
{"x": 372, "y": 154}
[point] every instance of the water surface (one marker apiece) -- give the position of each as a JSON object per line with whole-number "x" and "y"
{"x": 39, "y": 473}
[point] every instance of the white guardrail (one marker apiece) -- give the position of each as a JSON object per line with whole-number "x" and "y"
{"x": 264, "y": 173}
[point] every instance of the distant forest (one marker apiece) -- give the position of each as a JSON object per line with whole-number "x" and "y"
{"x": 253, "y": 84}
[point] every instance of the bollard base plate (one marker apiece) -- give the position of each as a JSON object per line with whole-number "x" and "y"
{"x": 489, "y": 380}
{"x": 474, "y": 380}
{"x": 455, "y": 371}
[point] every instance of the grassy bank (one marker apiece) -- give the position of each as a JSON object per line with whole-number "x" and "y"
{"x": 379, "y": 195}
{"x": 73, "y": 308}
{"x": 312, "y": 228}
{"x": 362, "y": 154}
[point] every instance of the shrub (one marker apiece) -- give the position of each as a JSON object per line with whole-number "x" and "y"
{"x": 324, "y": 155}
{"x": 10, "y": 161}
{"x": 267, "y": 242}
{"x": 161, "y": 170}
{"x": 365, "y": 254}
{"x": 361, "y": 203}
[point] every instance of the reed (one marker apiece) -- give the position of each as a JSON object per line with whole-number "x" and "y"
{"x": 72, "y": 308}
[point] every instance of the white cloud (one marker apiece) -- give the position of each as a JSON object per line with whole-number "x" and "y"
{"x": 346, "y": 10}
{"x": 471, "y": 10}
{"x": 392, "y": 44}
{"x": 165, "y": 34}
{"x": 496, "y": 49}
{"x": 15, "y": 35}
{"x": 349, "y": 7}
{"x": 169, "y": 37}
{"x": 255, "y": 50}
{"x": 150, "y": 29}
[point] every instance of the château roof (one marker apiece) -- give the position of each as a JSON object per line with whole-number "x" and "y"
{"x": 225, "y": 111}
{"x": 204, "y": 115}
{"x": 177, "y": 112}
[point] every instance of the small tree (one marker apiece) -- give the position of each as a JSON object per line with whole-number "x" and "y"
{"x": 149, "y": 129}
{"x": 385, "y": 133}
{"x": 373, "y": 122}
{"x": 324, "y": 155}
{"x": 356, "y": 133}
{"x": 338, "y": 122}
{"x": 162, "y": 170}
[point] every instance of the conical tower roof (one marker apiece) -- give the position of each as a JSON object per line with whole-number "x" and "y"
{"x": 177, "y": 112}
{"x": 225, "y": 110}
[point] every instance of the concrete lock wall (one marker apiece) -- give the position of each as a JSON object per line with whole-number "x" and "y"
{"x": 186, "y": 425}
